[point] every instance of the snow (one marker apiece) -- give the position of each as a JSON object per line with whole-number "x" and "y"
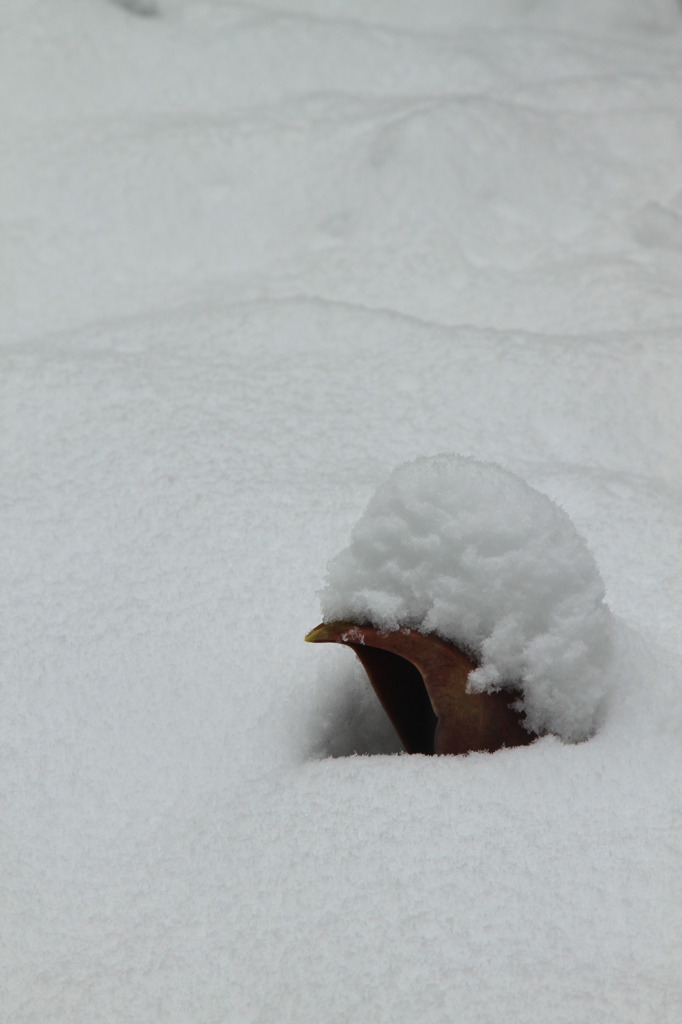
{"x": 467, "y": 550}
{"x": 253, "y": 257}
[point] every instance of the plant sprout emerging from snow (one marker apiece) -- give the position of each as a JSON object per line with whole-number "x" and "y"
{"x": 469, "y": 551}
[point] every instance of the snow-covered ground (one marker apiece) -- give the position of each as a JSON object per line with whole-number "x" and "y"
{"x": 253, "y": 256}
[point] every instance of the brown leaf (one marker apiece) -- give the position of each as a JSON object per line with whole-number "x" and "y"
{"x": 421, "y": 680}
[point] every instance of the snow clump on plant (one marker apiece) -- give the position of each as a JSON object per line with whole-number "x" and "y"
{"x": 469, "y": 551}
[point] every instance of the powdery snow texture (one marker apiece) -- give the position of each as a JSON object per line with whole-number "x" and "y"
{"x": 469, "y": 551}
{"x": 253, "y": 256}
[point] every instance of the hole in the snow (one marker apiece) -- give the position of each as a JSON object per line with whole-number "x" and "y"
{"x": 348, "y": 718}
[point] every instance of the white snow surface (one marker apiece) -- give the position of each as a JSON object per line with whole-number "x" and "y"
{"x": 252, "y": 257}
{"x": 469, "y": 551}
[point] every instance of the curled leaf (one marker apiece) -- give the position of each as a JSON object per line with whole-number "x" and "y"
{"x": 421, "y": 682}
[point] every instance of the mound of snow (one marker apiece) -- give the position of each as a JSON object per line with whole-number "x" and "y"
{"x": 469, "y": 551}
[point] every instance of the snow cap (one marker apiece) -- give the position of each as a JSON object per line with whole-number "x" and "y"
{"x": 469, "y": 551}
